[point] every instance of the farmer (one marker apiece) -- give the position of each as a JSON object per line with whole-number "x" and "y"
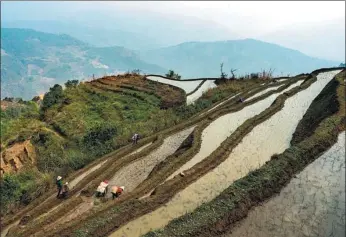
{"x": 135, "y": 138}
{"x": 59, "y": 185}
{"x": 241, "y": 100}
{"x": 102, "y": 189}
{"x": 116, "y": 191}
{"x": 65, "y": 190}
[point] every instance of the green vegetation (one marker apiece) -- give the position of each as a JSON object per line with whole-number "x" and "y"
{"x": 171, "y": 74}
{"x": 78, "y": 124}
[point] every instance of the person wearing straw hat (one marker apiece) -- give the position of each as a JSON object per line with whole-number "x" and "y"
{"x": 59, "y": 185}
{"x": 116, "y": 191}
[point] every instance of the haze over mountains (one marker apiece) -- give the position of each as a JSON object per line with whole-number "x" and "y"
{"x": 100, "y": 40}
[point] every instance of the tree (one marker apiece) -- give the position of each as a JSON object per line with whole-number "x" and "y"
{"x": 232, "y": 72}
{"x": 171, "y": 74}
{"x": 53, "y": 96}
{"x": 223, "y": 75}
{"x": 342, "y": 65}
{"x": 72, "y": 83}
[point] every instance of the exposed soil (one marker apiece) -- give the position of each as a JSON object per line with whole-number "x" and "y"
{"x": 187, "y": 86}
{"x": 19, "y": 155}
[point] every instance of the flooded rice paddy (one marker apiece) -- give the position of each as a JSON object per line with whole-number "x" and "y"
{"x": 133, "y": 174}
{"x": 224, "y": 126}
{"x": 270, "y": 137}
{"x": 312, "y": 204}
{"x": 205, "y": 87}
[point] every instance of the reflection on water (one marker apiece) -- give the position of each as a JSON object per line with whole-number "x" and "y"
{"x": 312, "y": 204}
{"x": 270, "y": 137}
{"x": 224, "y": 126}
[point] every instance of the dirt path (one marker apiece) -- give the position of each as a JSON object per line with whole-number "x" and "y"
{"x": 312, "y": 204}
{"x": 224, "y": 126}
{"x": 132, "y": 175}
{"x": 256, "y": 148}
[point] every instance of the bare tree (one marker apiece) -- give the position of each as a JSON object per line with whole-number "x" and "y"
{"x": 232, "y": 72}
{"x": 223, "y": 75}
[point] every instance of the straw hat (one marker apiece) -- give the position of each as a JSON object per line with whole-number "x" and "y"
{"x": 122, "y": 187}
{"x": 59, "y": 177}
{"x": 66, "y": 183}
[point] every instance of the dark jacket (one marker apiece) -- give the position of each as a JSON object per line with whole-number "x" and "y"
{"x": 59, "y": 183}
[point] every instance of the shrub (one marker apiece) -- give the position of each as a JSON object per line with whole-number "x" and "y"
{"x": 100, "y": 136}
{"x": 54, "y": 96}
{"x": 171, "y": 74}
{"x": 71, "y": 83}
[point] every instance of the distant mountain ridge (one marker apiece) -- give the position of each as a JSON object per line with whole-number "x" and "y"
{"x": 202, "y": 59}
{"x": 32, "y": 61}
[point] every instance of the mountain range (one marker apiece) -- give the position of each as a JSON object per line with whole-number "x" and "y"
{"x": 32, "y": 61}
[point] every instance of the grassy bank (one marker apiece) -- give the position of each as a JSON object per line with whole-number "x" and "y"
{"x": 219, "y": 215}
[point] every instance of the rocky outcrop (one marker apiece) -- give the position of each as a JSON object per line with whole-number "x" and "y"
{"x": 16, "y": 156}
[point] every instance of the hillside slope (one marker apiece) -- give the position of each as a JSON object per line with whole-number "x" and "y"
{"x": 196, "y": 59}
{"x": 32, "y": 61}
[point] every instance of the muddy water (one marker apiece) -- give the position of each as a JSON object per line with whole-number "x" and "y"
{"x": 206, "y": 86}
{"x": 262, "y": 92}
{"x": 224, "y": 126}
{"x": 133, "y": 174}
{"x": 187, "y": 86}
{"x": 270, "y": 137}
{"x": 312, "y": 204}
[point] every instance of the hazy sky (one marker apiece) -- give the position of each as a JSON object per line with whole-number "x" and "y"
{"x": 303, "y": 22}
{"x": 249, "y": 17}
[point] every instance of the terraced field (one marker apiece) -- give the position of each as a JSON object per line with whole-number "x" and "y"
{"x": 201, "y": 176}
